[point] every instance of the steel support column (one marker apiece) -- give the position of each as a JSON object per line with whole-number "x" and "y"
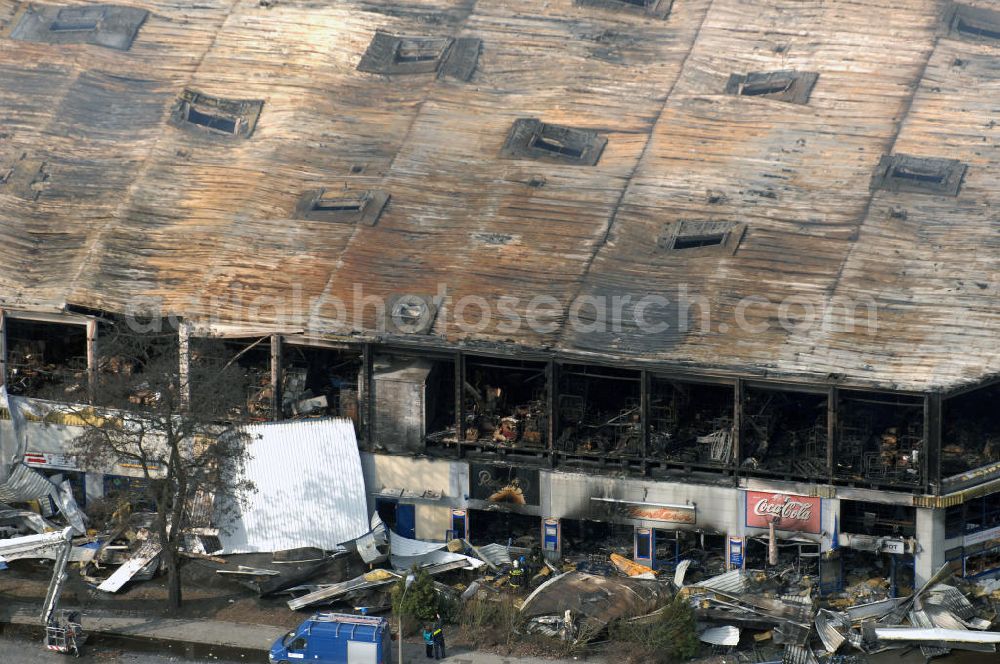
{"x": 931, "y": 465}
{"x": 3, "y": 347}
{"x": 277, "y": 377}
{"x": 738, "y": 402}
{"x": 644, "y": 385}
{"x": 832, "y": 429}
{"x": 366, "y": 406}
{"x": 459, "y": 402}
{"x": 551, "y": 376}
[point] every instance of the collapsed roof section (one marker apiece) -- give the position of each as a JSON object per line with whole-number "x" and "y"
{"x": 122, "y": 206}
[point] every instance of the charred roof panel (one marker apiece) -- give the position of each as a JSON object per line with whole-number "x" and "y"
{"x": 110, "y": 26}
{"x": 462, "y": 58}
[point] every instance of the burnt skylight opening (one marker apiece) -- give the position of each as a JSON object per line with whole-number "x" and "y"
{"x": 555, "y": 146}
{"x": 696, "y": 241}
{"x": 348, "y": 207}
{"x": 657, "y": 8}
{"x": 399, "y": 54}
{"x": 325, "y": 204}
{"x": 702, "y": 236}
{"x": 109, "y": 26}
{"x": 530, "y": 138}
{"x": 222, "y": 123}
{"x": 216, "y": 116}
{"x": 77, "y": 19}
{"x": 919, "y": 175}
{"x": 420, "y": 50}
{"x": 786, "y": 85}
{"x": 973, "y": 23}
{"x": 769, "y": 86}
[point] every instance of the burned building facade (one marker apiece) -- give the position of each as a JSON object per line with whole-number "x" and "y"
{"x": 684, "y": 273}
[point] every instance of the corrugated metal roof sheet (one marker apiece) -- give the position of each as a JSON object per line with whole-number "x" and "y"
{"x": 24, "y": 484}
{"x": 733, "y": 582}
{"x": 310, "y": 490}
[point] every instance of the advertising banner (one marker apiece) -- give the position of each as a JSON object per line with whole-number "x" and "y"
{"x": 504, "y": 484}
{"x": 792, "y": 513}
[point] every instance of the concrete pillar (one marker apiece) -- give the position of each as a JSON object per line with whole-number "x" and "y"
{"x": 93, "y": 486}
{"x": 930, "y": 543}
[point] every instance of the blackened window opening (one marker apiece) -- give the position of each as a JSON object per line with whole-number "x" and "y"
{"x": 767, "y": 87}
{"x": 217, "y": 122}
{"x": 338, "y": 204}
{"x": 975, "y": 30}
{"x": 937, "y": 177}
{"x": 555, "y": 146}
{"x": 415, "y": 51}
{"x": 81, "y": 24}
{"x": 694, "y": 241}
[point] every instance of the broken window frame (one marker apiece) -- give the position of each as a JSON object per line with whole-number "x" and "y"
{"x": 623, "y": 427}
{"x": 973, "y": 24}
{"x": 674, "y": 424}
{"x": 655, "y": 8}
{"x": 813, "y": 434}
{"x": 106, "y": 25}
{"x": 530, "y": 138}
{"x": 444, "y": 56}
{"x": 347, "y": 207}
{"x": 919, "y": 175}
{"x": 864, "y": 419}
{"x": 524, "y": 417}
{"x": 796, "y": 86}
{"x": 242, "y": 114}
{"x": 93, "y": 15}
{"x": 699, "y": 237}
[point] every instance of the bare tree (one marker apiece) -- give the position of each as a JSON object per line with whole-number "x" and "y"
{"x": 178, "y": 427}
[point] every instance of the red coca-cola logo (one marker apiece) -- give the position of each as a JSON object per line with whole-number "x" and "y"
{"x": 783, "y": 507}
{"x": 786, "y": 512}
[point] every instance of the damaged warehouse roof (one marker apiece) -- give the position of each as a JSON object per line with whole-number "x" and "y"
{"x": 720, "y": 150}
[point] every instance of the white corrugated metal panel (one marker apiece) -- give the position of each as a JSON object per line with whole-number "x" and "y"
{"x": 726, "y": 635}
{"x": 149, "y": 550}
{"x": 310, "y": 490}
{"x": 733, "y": 582}
{"x": 404, "y": 547}
{"x": 24, "y": 484}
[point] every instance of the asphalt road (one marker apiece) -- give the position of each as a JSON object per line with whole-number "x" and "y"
{"x": 17, "y": 650}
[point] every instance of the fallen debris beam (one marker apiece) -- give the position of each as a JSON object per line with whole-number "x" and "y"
{"x": 931, "y": 634}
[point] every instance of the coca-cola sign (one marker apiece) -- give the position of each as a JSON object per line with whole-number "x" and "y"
{"x": 787, "y": 511}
